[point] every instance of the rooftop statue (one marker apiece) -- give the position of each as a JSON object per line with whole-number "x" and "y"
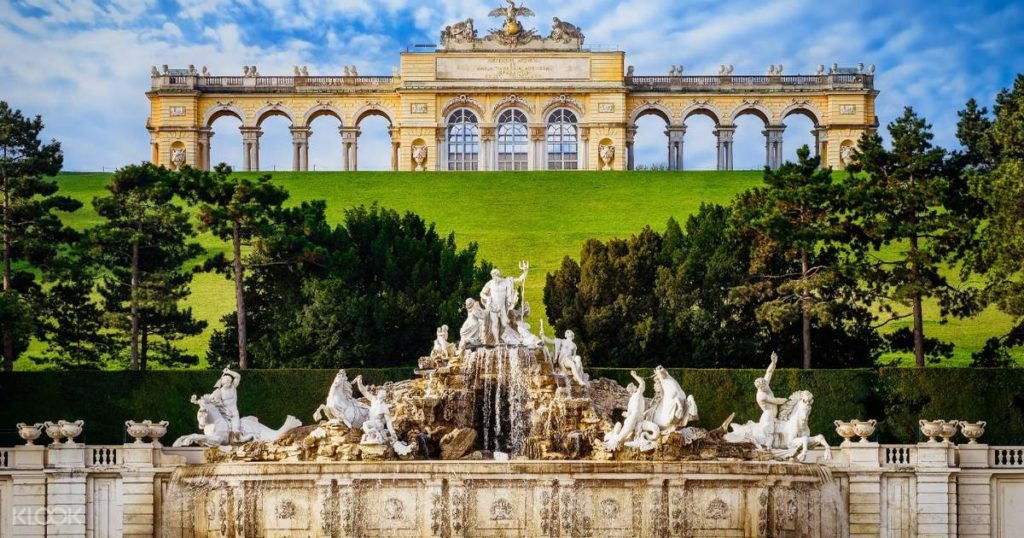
{"x": 565, "y": 32}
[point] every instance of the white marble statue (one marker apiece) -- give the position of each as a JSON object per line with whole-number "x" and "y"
{"x": 782, "y": 427}
{"x": 217, "y": 430}
{"x": 472, "y": 331}
{"x": 672, "y": 407}
{"x": 499, "y": 297}
{"x": 442, "y": 348}
{"x": 341, "y": 406}
{"x": 225, "y": 397}
{"x": 564, "y": 352}
{"x": 378, "y": 428}
{"x": 630, "y": 426}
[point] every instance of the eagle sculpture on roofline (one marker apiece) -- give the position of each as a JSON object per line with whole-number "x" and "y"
{"x": 512, "y": 13}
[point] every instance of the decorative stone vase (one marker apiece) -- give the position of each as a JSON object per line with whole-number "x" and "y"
{"x": 972, "y": 430}
{"x": 137, "y": 430}
{"x": 948, "y": 430}
{"x": 30, "y": 432}
{"x": 53, "y": 432}
{"x": 419, "y": 156}
{"x": 70, "y": 430}
{"x": 157, "y": 430}
{"x": 844, "y": 430}
{"x": 864, "y": 428}
{"x": 607, "y": 154}
{"x": 931, "y": 429}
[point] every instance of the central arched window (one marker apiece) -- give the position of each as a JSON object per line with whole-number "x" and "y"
{"x": 463, "y": 141}
{"x": 563, "y": 140}
{"x": 513, "y": 140}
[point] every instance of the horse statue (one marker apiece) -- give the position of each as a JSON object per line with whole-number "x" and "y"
{"x": 217, "y": 429}
{"x": 341, "y": 406}
{"x": 792, "y": 431}
{"x": 675, "y": 409}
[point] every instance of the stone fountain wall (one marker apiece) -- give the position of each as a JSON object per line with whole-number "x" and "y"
{"x": 523, "y": 499}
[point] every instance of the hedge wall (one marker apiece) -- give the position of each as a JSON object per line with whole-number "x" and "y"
{"x": 897, "y": 397}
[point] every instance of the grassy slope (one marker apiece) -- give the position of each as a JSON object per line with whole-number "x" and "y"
{"x": 541, "y": 217}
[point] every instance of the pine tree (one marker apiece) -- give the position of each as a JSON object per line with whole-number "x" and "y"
{"x": 239, "y": 211}
{"x": 896, "y": 204}
{"x": 143, "y": 248}
{"x": 31, "y": 232}
{"x": 793, "y": 218}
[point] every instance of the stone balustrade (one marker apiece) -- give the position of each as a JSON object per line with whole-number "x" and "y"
{"x": 242, "y": 84}
{"x": 924, "y": 489}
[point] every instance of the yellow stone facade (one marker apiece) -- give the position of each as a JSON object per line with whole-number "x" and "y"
{"x": 603, "y": 96}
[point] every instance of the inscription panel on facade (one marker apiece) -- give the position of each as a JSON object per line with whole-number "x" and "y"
{"x": 511, "y": 67}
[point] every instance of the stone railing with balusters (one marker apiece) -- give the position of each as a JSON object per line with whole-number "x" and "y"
{"x": 235, "y": 84}
{"x": 1006, "y": 457}
{"x": 840, "y": 81}
{"x": 103, "y": 456}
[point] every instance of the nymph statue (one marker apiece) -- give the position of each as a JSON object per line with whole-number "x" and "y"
{"x": 566, "y": 358}
{"x": 378, "y": 428}
{"x": 217, "y": 430}
{"x": 472, "y": 331}
{"x": 442, "y": 348}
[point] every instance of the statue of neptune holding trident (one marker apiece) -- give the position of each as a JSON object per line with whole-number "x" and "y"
{"x": 499, "y": 297}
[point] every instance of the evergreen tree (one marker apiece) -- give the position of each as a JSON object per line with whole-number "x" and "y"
{"x": 795, "y": 217}
{"x": 903, "y": 232}
{"x": 143, "y": 248}
{"x": 239, "y": 211}
{"x": 1000, "y": 249}
{"x": 73, "y": 323}
{"x": 31, "y": 231}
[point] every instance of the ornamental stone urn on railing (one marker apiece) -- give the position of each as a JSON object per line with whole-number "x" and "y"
{"x": 53, "y": 432}
{"x": 844, "y": 430}
{"x": 156, "y": 431}
{"x": 864, "y": 428}
{"x": 30, "y": 432}
{"x": 70, "y": 430}
{"x": 948, "y": 430}
{"x": 137, "y": 430}
{"x": 972, "y": 430}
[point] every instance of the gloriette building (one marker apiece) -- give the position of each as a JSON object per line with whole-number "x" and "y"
{"x": 511, "y": 100}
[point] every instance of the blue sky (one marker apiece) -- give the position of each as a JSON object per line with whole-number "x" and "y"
{"x": 84, "y": 64}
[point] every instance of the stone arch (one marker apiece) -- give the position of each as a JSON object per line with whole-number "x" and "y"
{"x": 703, "y": 109}
{"x": 322, "y": 109}
{"x": 806, "y": 109}
{"x": 220, "y": 110}
{"x": 463, "y": 101}
{"x": 517, "y": 103}
{"x": 754, "y": 108}
{"x": 647, "y": 108}
{"x": 372, "y": 109}
{"x": 556, "y": 103}
{"x": 272, "y": 109}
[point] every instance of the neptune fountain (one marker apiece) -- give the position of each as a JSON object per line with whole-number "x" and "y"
{"x": 502, "y": 433}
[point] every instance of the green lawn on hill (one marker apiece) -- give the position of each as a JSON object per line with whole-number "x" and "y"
{"x": 538, "y": 216}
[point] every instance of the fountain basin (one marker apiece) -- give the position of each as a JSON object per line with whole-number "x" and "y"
{"x": 398, "y": 499}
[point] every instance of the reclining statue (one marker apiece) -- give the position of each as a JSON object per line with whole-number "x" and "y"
{"x": 643, "y": 428}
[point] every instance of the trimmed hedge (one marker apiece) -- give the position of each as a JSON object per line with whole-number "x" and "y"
{"x": 897, "y": 397}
